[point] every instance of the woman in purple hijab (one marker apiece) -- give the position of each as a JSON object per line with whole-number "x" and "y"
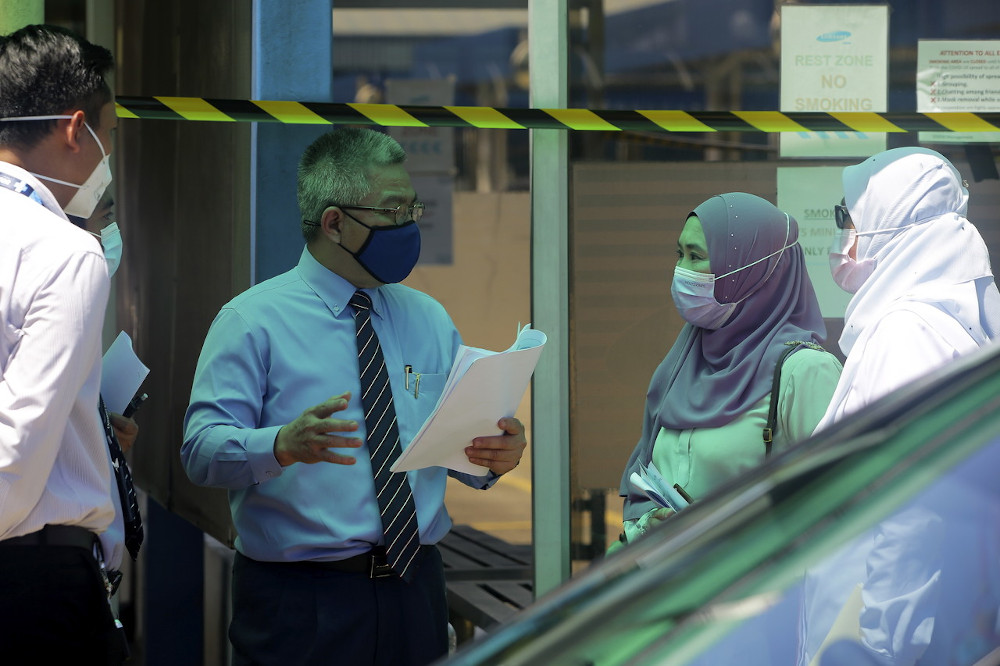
{"x": 741, "y": 285}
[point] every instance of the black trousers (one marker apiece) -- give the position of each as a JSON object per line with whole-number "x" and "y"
{"x": 291, "y": 615}
{"x": 54, "y": 608}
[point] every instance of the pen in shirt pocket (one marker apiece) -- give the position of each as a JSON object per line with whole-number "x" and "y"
{"x": 407, "y": 374}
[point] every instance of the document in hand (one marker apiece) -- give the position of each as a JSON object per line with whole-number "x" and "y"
{"x": 648, "y": 480}
{"x": 483, "y": 387}
{"x": 121, "y": 373}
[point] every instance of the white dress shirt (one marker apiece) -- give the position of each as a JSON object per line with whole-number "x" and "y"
{"x": 54, "y": 461}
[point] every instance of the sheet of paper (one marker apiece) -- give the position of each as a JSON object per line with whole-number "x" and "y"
{"x": 649, "y": 491}
{"x": 649, "y": 481}
{"x": 958, "y": 76}
{"x": 483, "y": 387}
{"x": 122, "y": 373}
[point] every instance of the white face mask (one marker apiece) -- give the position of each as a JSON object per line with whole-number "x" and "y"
{"x": 694, "y": 292}
{"x": 85, "y": 200}
{"x": 848, "y": 273}
{"x": 694, "y": 297}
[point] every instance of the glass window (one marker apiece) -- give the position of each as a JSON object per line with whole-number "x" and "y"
{"x": 474, "y": 182}
{"x": 631, "y": 191}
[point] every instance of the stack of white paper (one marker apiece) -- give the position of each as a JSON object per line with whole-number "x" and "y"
{"x": 649, "y": 481}
{"x": 122, "y": 373}
{"x": 483, "y": 387}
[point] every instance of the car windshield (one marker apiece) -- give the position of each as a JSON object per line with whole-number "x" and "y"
{"x": 878, "y": 543}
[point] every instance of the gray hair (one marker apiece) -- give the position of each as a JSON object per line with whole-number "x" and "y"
{"x": 335, "y": 168}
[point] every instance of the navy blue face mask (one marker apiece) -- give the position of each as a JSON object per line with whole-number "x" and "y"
{"x": 389, "y": 253}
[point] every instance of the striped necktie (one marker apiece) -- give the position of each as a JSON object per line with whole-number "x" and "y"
{"x": 395, "y": 501}
{"x": 126, "y": 490}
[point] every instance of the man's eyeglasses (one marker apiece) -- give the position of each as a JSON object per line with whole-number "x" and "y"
{"x": 401, "y": 214}
{"x": 841, "y": 216}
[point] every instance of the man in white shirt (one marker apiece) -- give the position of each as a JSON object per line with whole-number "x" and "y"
{"x": 58, "y": 514}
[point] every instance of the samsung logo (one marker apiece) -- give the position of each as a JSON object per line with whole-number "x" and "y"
{"x": 837, "y": 36}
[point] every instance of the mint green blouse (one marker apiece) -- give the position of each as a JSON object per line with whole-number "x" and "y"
{"x": 701, "y": 459}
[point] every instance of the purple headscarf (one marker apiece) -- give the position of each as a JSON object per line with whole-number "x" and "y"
{"x": 711, "y": 377}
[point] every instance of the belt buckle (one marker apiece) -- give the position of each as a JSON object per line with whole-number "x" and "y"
{"x": 379, "y": 567}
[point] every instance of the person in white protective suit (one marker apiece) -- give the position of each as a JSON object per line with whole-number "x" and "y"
{"x": 920, "y": 273}
{"x": 924, "y": 295}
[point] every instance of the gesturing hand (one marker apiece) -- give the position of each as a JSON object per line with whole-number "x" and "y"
{"x": 307, "y": 438}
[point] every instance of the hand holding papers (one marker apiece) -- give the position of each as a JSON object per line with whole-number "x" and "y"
{"x": 483, "y": 387}
{"x": 121, "y": 374}
{"x": 648, "y": 480}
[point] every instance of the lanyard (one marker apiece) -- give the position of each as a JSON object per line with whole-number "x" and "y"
{"x": 21, "y": 187}
{"x": 16, "y": 185}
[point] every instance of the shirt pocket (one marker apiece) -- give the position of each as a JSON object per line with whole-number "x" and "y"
{"x": 421, "y": 391}
{"x": 424, "y": 387}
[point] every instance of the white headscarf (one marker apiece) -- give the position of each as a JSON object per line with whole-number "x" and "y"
{"x": 909, "y": 207}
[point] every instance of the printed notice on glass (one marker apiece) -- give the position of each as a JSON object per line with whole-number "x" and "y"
{"x": 958, "y": 76}
{"x": 428, "y": 149}
{"x": 834, "y": 59}
{"x": 809, "y": 194}
{"x": 436, "y": 191}
{"x": 430, "y": 161}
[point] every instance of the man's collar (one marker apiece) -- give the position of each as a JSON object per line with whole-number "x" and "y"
{"x": 333, "y": 289}
{"x": 45, "y": 196}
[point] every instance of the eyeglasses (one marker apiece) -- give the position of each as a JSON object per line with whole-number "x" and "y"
{"x": 401, "y": 214}
{"x": 841, "y": 216}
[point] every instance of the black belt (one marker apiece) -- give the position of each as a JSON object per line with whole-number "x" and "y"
{"x": 72, "y": 536}
{"x": 55, "y": 535}
{"x": 372, "y": 563}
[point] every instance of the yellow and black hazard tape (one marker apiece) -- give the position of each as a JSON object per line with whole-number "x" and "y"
{"x": 482, "y": 117}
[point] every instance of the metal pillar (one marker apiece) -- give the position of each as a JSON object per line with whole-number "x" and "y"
{"x": 548, "y": 69}
{"x": 291, "y": 61}
{"x": 174, "y": 616}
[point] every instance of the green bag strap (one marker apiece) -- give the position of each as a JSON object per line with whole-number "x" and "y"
{"x": 772, "y": 412}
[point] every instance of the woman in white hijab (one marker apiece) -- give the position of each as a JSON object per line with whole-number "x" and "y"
{"x": 924, "y": 295}
{"x": 920, "y": 272}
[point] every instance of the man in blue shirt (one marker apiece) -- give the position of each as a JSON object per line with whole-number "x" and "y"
{"x": 311, "y": 584}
